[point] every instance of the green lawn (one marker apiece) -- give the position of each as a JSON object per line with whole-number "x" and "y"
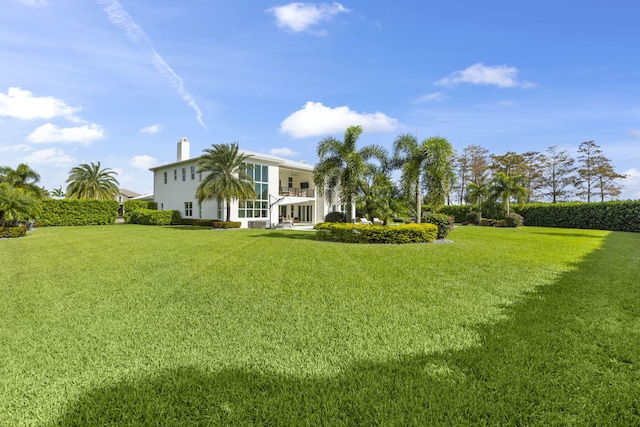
{"x": 136, "y": 325}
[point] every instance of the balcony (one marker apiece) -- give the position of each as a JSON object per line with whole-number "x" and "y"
{"x": 297, "y": 192}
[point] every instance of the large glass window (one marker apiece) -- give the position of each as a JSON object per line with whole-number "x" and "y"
{"x": 193, "y": 173}
{"x": 184, "y": 174}
{"x": 188, "y": 208}
{"x": 258, "y": 208}
{"x": 165, "y": 177}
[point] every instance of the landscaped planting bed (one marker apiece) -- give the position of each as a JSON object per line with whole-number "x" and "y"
{"x": 148, "y": 325}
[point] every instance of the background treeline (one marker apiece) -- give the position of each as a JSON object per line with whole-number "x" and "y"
{"x": 552, "y": 176}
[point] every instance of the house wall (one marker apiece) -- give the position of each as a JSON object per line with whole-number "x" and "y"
{"x": 173, "y": 194}
{"x": 180, "y": 189}
{"x": 176, "y": 191}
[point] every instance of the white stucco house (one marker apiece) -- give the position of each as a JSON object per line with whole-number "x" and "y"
{"x": 285, "y": 189}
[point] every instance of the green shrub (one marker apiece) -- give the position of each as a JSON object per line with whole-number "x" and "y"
{"x": 472, "y": 217}
{"x": 335, "y": 217}
{"x": 513, "y": 220}
{"x": 442, "y": 221}
{"x": 225, "y": 224}
{"x": 360, "y": 233}
{"x": 614, "y": 215}
{"x": 58, "y": 212}
{"x": 197, "y": 222}
{"x": 12, "y": 232}
{"x": 152, "y": 217}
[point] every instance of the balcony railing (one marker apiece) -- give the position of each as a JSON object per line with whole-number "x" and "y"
{"x": 297, "y": 192}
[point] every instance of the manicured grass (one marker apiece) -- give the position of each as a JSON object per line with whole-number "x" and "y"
{"x": 135, "y": 325}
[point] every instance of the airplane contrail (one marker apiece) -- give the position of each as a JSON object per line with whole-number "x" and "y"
{"x": 120, "y": 17}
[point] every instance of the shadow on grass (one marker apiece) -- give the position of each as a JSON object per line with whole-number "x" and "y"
{"x": 187, "y": 228}
{"x": 558, "y": 359}
{"x": 289, "y": 234}
{"x": 577, "y": 233}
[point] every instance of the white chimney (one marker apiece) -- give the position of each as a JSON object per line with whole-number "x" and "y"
{"x": 183, "y": 149}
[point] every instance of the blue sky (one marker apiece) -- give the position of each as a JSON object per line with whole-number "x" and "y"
{"x": 121, "y": 82}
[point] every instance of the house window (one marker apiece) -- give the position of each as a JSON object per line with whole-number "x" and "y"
{"x": 193, "y": 173}
{"x": 188, "y": 208}
{"x": 258, "y": 208}
{"x": 199, "y": 176}
{"x": 165, "y": 176}
{"x": 119, "y": 198}
{"x": 184, "y": 174}
{"x": 161, "y": 206}
{"x": 290, "y": 182}
{"x": 175, "y": 174}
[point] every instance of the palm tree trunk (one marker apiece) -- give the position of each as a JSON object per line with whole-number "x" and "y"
{"x": 418, "y": 205}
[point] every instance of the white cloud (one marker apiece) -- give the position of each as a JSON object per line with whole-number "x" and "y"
{"x": 49, "y": 132}
{"x": 631, "y": 184}
{"x": 315, "y": 119}
{"x": 501, "y": 76}
{"x": 144, "y": 162}
{"x": 120, "y": 17}
{"x": 152, "y": 129}
{"x": 635, "y": 132}
{"x": 50, "y": 155}
{"x": 21, "y": 104}
{"x": 284, "y": 152}
{"x": 122, "y": 177}
{"x": 15, "y": 148}
{"x": 430, "y": 97}
{"x": 298, "y": 17}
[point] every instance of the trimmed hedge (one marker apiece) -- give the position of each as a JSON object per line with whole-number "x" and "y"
{"x": 12, "y": 232}
{"x": 225, "y": 224}
{"x": 197, "y": 222}
{"x": 77, "y": 212}
{"x": 458, "y": 212}
{"x": 361, "y": 233}
{"x": 131, "y": 205}
{"x": 614, "y": 215}
{"x": 152, "y": 217}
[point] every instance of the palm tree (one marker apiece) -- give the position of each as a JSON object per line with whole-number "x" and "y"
{"x": 341, "y": 166}
{"x": 411, "y": 158}
{"x": 88, "y": 181}
{"x": 228, "y": 178}
{"x": 374, "y": 189}
{"x": 17, "y": 204}
{"x": 425, "y": 165}
{"x": 23, "y": 178}
{"x": 439, "y": 175}
{"x": 58, "y": 193}
{"x": 380, "y": 198}
{"x": 477, "y": 194}
{"x": 505, "y": 187}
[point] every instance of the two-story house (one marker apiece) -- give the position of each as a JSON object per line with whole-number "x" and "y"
{"x": 285, "y": 191}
